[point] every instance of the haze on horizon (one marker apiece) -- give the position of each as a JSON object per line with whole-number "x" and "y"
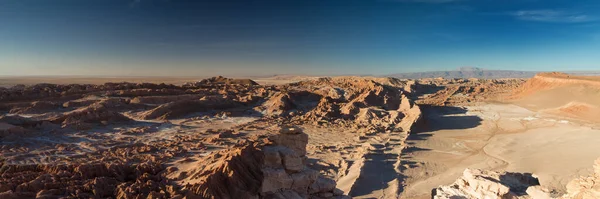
{"x": 234, "y": 37}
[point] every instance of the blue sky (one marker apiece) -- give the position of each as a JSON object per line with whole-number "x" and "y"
{"x": 251, "y": 37}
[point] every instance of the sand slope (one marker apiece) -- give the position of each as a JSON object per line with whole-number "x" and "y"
{"x": 561, "y": 94}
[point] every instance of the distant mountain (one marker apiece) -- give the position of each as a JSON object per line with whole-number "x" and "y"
{"x": 584, "y": 73}
{"x": 467, "y": 72}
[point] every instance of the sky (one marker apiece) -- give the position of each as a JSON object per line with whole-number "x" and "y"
{"x": 309, "y": 37}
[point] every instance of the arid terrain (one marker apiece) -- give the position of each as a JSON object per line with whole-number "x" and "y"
{"x": 300, "y": 137}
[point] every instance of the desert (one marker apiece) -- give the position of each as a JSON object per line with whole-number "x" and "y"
{"x": 318, "y": 137}
{"x": 299, "y": 99}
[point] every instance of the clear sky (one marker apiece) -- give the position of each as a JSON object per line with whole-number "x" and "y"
{"x": 264, "y": 37}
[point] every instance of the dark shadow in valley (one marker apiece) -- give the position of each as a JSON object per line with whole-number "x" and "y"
{"x": 369, "y": 182}
{"x": 411, "y": 149}
{"x": 425, "y": 89}
{"x": 435, "y": 118}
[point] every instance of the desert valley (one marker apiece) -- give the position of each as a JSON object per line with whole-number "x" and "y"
{"x": 303, "y": 137}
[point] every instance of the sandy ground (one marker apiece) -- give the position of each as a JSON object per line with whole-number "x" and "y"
{"x": 497, "y": 137}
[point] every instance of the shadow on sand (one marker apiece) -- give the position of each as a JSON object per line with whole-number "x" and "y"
{"x": 370, "y": 182}
{"x": 436, "y": 118}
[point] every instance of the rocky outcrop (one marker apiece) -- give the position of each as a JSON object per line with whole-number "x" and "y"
{"x": 444, "y": 92}
{"x": 182, "y": 108}
{"x": 99, "y": 113}
{"x": 290, "y": 102}
{"x": 502, "y": 185}
{"x": 488, "y": 184}
{"x": 272, "y": 167}
{"x": 341, "y": 100}
{"x": 234, "y": 173}
{"x": 585, "y": 187}
{"x": 285, "y": 172}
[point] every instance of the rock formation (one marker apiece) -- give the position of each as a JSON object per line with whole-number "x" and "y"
{"x": 585, "y": 187}
{"x": 339, "y": 101}
{"x": 181, "y": 108}
{"x": 441, "y": 92}
{"x": 99, "y": 113}
{"x": 222, "y": 80}
{"x": 90, "y": 141}
{"x": 488, "y": 184}
{"x": 502, "y": 185}
{"x": 274, "y": 167}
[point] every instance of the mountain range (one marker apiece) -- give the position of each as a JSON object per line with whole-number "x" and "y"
{"x": 474, "y": 72}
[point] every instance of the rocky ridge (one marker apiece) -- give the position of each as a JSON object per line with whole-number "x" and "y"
{"x": 341, "y": 101}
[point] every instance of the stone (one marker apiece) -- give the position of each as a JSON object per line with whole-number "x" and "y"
{"x": 272, "y": 158}
{"x": 303, "y": 180}
{"x": 287, "y": 194}
{"x": 321, "y": 185}
{"x": 326, "y": 194}
{"x": 291, "y": 161}
{"x": 275, "y": 180}
{"x": 296, "y": 142}
{"x": 538, "y": 192}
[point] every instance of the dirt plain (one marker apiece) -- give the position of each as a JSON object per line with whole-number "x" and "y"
{"x": 289, "y": 137}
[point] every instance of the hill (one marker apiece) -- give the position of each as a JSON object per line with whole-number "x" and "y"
{"x": 562, "y": 94}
